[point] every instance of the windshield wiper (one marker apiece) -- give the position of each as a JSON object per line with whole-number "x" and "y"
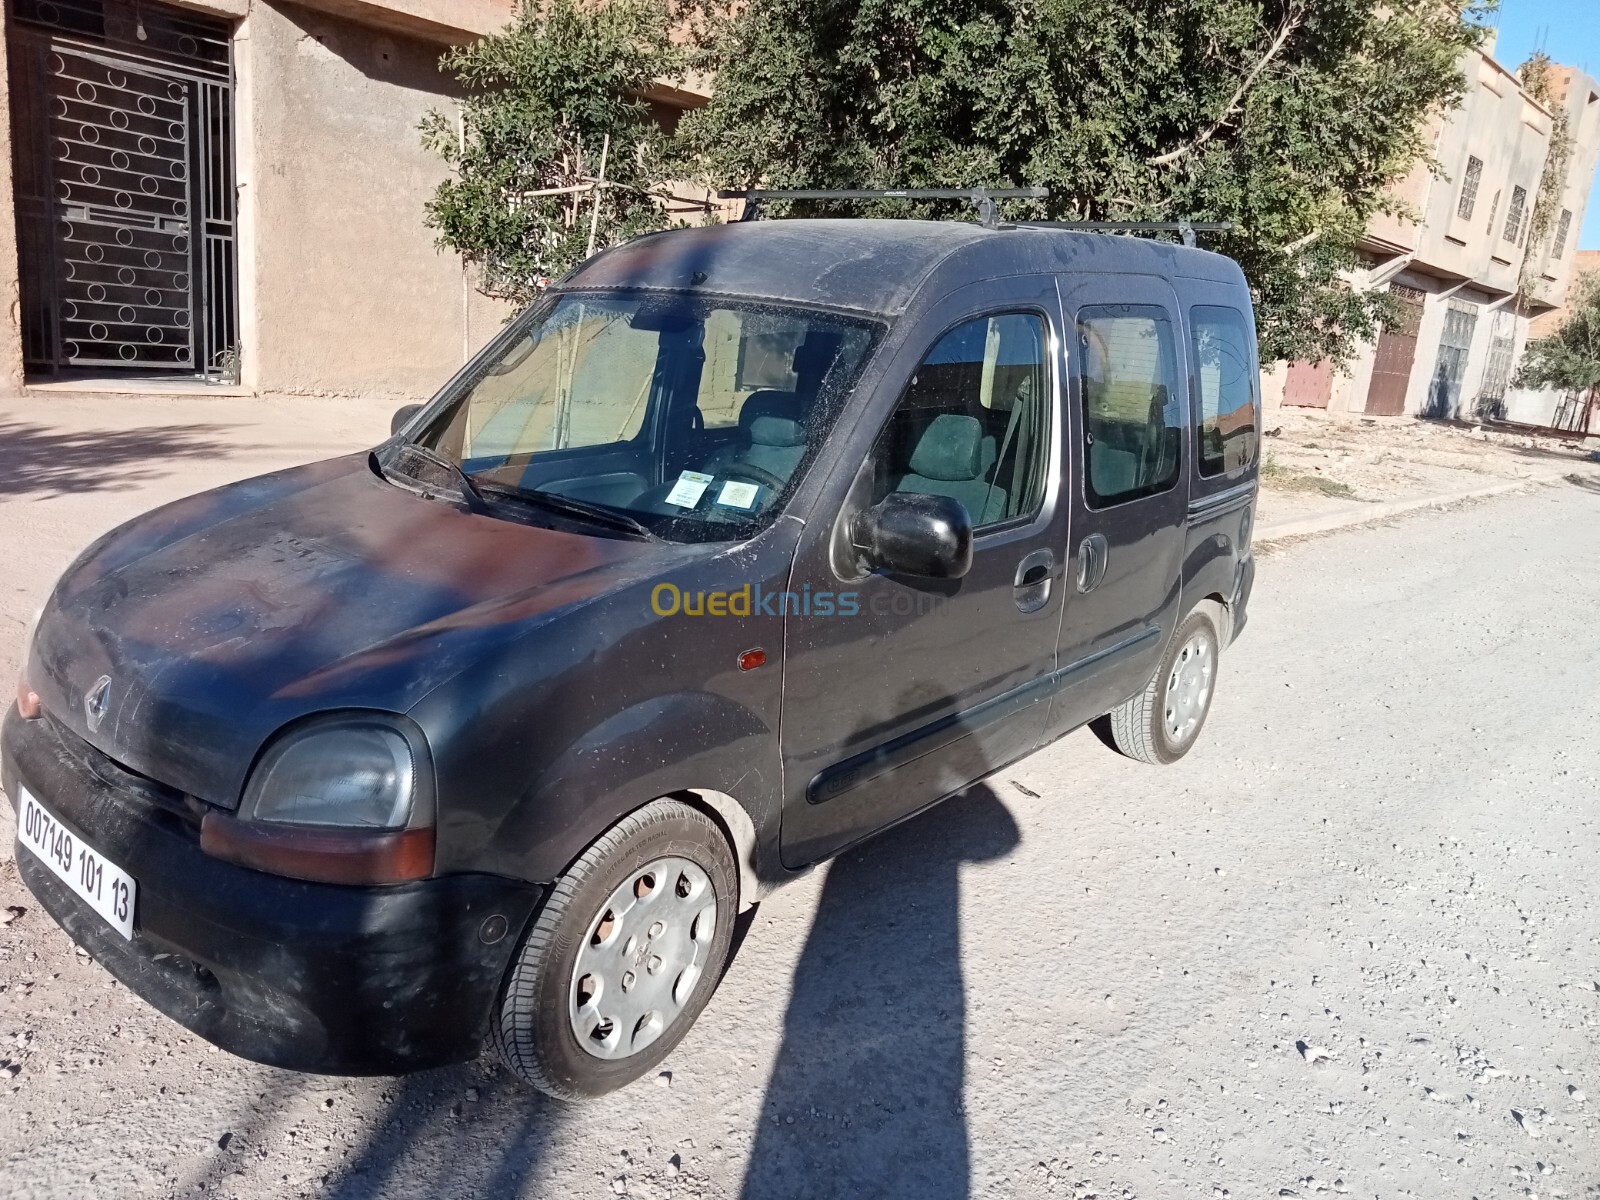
{"x": 463, "y": 482}
{"x": 568, "y": 506}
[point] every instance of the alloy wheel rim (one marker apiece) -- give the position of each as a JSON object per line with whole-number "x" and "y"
{"x": 641, "y": 958}
{"x": 1189, "y": 688}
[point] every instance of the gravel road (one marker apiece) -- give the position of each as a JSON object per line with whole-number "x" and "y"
{"x": 1350, "y": 944}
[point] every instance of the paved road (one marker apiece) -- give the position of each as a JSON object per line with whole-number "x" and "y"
{"x": 1088, "y": 978}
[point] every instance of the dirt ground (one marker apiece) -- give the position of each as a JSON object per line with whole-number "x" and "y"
{"x": 1347, "y": 946}
{"x": 1315, "y": 461}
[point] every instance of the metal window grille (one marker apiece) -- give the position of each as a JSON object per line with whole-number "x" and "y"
{"x": 1563, "y": 232}
{"x": 1515, "y": 212}
{"x": 1494, "y": 211}
{"x": 125, "y": 187}
{"x": 1469, "y": 188}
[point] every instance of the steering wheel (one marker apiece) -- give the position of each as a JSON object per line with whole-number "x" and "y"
{"x": 746, "y": 471}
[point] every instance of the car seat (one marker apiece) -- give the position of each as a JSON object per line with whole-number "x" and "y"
{"x": 772, "y": 436}
{"x": 948, "y": 459}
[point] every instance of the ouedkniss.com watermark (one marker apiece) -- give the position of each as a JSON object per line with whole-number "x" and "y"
{"x": 753, "y": 600}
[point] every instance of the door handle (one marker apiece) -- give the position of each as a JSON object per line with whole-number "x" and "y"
{"x": 1092, "y": 556}
{"x": 1033, "y": 578}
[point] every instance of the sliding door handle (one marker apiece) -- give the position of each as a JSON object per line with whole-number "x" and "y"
{"x": 1092, "y": 556}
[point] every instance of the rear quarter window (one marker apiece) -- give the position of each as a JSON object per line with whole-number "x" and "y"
{"x": 1225, "y": 388}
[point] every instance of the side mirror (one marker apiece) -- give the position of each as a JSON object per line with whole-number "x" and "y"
{"x": 401, "y": 417}
{"x": 908, "y": 534}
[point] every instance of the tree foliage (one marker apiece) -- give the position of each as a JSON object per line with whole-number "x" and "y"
{"x": 1290, "y": 118}
{"x": 541, "y": 99}
{"x": 1570, "y": 358}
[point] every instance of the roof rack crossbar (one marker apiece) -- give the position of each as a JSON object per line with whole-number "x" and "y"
{"x": 983, "y": 198}
{"x": 1187, "y": 228}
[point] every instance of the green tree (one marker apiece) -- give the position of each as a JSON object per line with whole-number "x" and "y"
{"x": 1290, "y": 118}
{"x": 1570, "y": 358}
{"x": 541, "y": 100}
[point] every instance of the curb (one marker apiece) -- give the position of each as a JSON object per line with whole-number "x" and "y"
{"x": 1363, "y": 514}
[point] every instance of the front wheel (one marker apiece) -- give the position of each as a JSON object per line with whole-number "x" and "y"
{"x": 1162, "y": 723}
{"x": 622, "y": 957}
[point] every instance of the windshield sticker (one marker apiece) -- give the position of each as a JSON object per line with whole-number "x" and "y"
{"x": 690, "y": 487}
{"x": 738, "y": 495}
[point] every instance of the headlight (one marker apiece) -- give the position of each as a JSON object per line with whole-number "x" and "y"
{"x": 355, "y": 776}
{"x": 345, "y": 799}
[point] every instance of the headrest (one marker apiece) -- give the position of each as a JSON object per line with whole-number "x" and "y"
{"x": 814, "y": 356}
{"x": 773, "y": 419}
{"x": 950, "y": 448}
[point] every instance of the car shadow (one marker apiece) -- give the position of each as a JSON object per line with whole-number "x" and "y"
{"x": 866, "y": 1096}
{"x": 450, "y": 1132}
{"x": 38, "y": 460}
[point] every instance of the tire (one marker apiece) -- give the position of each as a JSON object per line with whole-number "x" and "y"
{"x": 1162, "y": 723}
{"x": 572, "y": 1034}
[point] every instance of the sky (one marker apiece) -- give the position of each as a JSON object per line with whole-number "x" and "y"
{"x": 1569, "y": 32}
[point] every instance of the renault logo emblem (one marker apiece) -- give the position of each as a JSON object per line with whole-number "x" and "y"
{"x": 95, "y": 702}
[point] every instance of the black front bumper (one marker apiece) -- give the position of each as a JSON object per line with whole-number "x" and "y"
{"x": 309, "y": 976}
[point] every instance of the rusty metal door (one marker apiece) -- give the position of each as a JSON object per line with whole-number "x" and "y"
{"x": 1396, "y": 355}
{"x": 1310, "y": 384}
{"x": 124, "y": 189}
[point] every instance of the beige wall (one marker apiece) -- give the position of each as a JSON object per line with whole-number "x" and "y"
{"x": 343, "y": 289}
{"x": 1510, "y": 133}
{"x": 1579, "y": 94}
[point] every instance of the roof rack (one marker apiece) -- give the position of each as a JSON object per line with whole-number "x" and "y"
{"x": 983, "y": 198}
{"x": 1187, "y": 229}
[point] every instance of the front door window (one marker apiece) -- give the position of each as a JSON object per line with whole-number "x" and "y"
{"x": 972, "y": 424}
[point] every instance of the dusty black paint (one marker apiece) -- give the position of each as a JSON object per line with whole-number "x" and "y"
{"x": 553, "y": 698}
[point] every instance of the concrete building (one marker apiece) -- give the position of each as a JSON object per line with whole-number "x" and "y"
{"x": 1459, "y": 267}
{"x": 229, "y": 193}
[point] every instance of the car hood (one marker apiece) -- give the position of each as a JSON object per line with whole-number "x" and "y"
{"x": 180, "y": 642}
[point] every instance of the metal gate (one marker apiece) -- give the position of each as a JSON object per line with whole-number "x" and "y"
{"x": 1444, "y": 394}
{"x": 123, "y": 120}
{"x": 1491, "y": 404}
{"x": 1396, "y": 354}
{"x": 1308, "y": 384}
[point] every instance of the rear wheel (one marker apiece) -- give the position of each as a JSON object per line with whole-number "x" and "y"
{"x": 1162, "y": 723}
{"x": 623, "y": 956}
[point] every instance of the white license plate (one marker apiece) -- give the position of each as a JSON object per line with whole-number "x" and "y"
{"x": 103, "y": 886}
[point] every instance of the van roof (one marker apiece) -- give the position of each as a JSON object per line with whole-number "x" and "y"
{"x": 874, "y": 266}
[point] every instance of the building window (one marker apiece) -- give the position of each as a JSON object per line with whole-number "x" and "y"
{"x": 1563, "y": 232}
{"x": 1494, "y": 211}
{"x": 1469, "y": 188}
{"x": 1515, "y": 211}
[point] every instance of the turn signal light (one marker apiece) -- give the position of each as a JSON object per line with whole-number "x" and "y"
{"x": 29, "y": 705}
{"x": 320, "y": 853}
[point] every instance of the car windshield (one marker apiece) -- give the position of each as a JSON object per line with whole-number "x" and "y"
{"x": 691, "y": 417}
